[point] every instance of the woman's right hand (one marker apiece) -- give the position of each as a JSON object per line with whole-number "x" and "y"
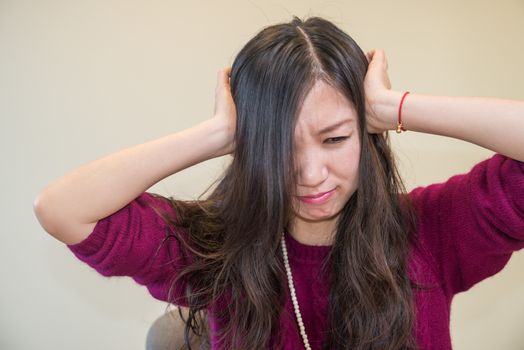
{"x": 70, "y": 207}
{"x": 225, "y": 109}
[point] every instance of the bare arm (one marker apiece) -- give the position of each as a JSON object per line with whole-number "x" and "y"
{"x": 70, "y": 207}
{"x": 493, "y": 123}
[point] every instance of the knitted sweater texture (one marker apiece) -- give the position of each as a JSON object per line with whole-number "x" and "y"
{"x": 468, "y": 227}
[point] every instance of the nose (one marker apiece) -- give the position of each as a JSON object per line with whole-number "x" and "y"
{"x": 312, "y": 171}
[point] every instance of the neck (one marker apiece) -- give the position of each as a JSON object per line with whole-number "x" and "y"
{"x": 313, "y": 233}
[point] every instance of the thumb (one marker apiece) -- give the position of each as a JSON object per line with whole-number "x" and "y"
{"x": 378, "y": 56}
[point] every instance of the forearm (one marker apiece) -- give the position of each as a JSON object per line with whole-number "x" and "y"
{"x": 70, "y": 206}
{"x": 492, "y": 123}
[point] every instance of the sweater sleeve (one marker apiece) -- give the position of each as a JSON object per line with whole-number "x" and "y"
{"x": 132, "y": 242}
{"x": 471, "y": 224}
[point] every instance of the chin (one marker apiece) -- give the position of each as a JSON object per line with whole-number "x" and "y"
{"x": 310, "y": 217}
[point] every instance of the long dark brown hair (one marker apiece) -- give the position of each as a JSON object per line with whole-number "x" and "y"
{"x": 233, "y": 234}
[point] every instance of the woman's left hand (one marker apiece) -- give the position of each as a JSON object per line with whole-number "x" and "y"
{"x": 376, "y": 86}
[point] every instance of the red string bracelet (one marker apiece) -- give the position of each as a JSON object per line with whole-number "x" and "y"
{"x": 400, "y": 127}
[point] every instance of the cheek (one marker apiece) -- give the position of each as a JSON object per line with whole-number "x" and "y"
{"x": 346, "y": 161}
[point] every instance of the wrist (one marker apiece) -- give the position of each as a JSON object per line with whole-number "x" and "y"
{"x": 387, "y": 107}
{"x": 219, "y": 136}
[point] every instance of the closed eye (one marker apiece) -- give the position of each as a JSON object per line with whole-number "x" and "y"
{"x": 338, "y": 139}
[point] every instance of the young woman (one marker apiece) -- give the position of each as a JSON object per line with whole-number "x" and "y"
{"x": 309, "y": 239}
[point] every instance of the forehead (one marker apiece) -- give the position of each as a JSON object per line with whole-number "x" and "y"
{"x": 323, "y": 107}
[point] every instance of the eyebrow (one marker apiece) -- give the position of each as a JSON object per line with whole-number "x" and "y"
{"x": 335, "y": 126}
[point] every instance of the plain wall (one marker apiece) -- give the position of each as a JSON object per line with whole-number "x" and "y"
{"x": 82, "y": 79}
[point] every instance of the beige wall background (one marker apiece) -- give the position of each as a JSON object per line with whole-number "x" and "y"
{"x": 81, "y": 79}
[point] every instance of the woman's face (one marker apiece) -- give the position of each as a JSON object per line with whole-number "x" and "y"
{"x": 327, "y": 155}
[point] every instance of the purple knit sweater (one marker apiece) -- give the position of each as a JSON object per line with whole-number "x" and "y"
{"x": 468, "y": 228}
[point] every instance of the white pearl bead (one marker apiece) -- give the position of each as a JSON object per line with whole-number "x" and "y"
{"x": 293, "y": 295}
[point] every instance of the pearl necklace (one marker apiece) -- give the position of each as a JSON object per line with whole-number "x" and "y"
{"x": 293, "y": 295}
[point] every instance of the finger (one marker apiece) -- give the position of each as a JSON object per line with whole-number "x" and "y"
{"x": 370, "y": 54}
{"x": 379, "y": 57}
{"x": 219, "y": 79}
{"x": 383, "y": 54}
{"x": 225, "y": 73}
{"x": 380, "y": 54}
{"x": 222, "y": 78}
